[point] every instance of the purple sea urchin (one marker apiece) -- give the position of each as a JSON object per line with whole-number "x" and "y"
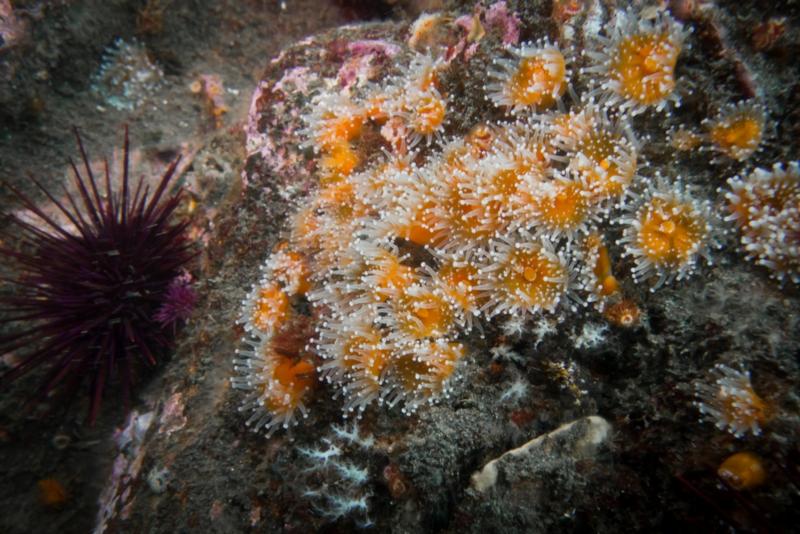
{"x": 90, "y": 289}
{"x": 179, "y": 300}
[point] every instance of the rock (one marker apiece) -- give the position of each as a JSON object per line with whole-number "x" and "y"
{"x": 578, "y": 440}
{"x": 552, "y": 483}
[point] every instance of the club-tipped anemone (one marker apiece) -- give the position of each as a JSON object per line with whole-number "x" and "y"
{"x": 89, "y": 288}
{"x": 416, "y": 101}
{"x": 337, "y": 217}
{"x": 457, "y": 276}
{"x": 602, "y": 282}
{"x": 489, "y": 198}
{"x": 738, "y": 129}
{"x": 524, "y": 274}
{"x": 457, "y": 213}
{"x": 456, "y": 156}
{"x": 427, "y": 230}
{"x": 408, "y": 210}
{"x": 765, "y": 205}
{"x": 501, "y": 188}
{"x": 441, "y": 357}
{"x": 369, "y": 367}
{"x": 340, "y": 202}
{"x": 481, "y": 139}
{"x": 356, "y": 356}
{"x": 334, "y": 120}
{"x": 421, "y": 373}
{"x": 569, "y": 127}
{"x": 290, "y": 268}
{"x": 667, "y": 231}
{"x": 305, "y": 229}
{"x": 563, "y": 206}
{"x": 278, "y": 376}
{"x": 338, "y": 162}
{"x": 534, "y": 78}
{"x": 528, "y": 143}
{"x": 422, "y": 311}
{"x": 601, "y": 152}
{"x": 729, "y": 401}
{"x": 424, "y": 72}
{"x": 763, "y": 194}
{"x": 636, "y": 62}
{"x": 386, "y": 274}
{"x": 265, "y": 308}
{"x": 385, "y": 186}
{"x": 425, "y": 114}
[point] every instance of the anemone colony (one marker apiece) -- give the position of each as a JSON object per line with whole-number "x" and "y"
{"x": 96, "y": 283}
{"x": 401, "y": 257}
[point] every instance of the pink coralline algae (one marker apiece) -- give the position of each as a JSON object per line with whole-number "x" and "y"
{"x": 172, "y": 415}
{"x": 364, "y": 58}
{"x": 294, "y": 81}
{"x": 268, "y": 140}
{"x": 373, "y": 47}
{"x": 498, "y": 16}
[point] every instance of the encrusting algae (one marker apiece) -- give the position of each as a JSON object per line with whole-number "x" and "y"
{"x": 408, "y": 249}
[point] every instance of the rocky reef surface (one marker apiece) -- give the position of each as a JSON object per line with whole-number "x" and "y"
{"x": 623, "y": 412}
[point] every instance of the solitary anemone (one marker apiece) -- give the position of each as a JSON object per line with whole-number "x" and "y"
{"x": 90, "y": 288}
{"x": 535, "y": 79}
{"x": 524, "y": 275}
{"x": 731, "y": 403}
{"x": 562, "y": 207}
{"x": 425, "y": 114}
{"x": 278, "y": 374}
{"x": 638, "y": 61}
{"x": 666, "y": 233}
{"x": 738, "y": 129}
{"x": 422, "y": 372}
{"x": 422, "y": 312}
